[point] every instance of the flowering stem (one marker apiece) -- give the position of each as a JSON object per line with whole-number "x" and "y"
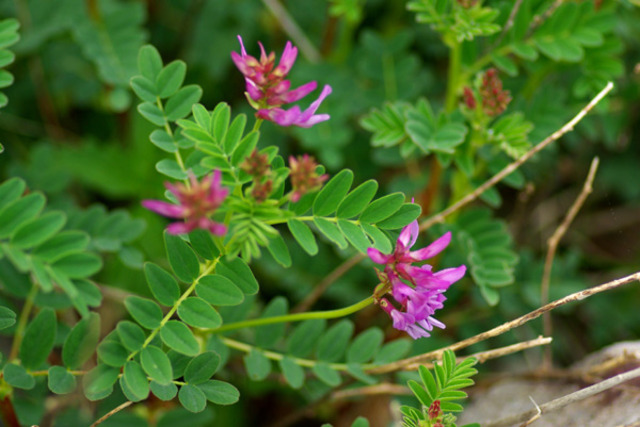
{"x": 257, "y": 124}
{"x": 453, "y": 74}
{"x": 296, "y": 317}
{"x": 167, "y": 129}
{"x": 22, "y": 322}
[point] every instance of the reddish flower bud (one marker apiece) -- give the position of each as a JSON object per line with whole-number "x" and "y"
{"x": 467, "y": 3}
{"x": 434, "y": 410}
{"x": 469, "y": 99}
{"x": 494, "y": 98}
{"x": 256, "y": 164}
{"x": 262, "y": 190}
{"x": 304, "y": 178}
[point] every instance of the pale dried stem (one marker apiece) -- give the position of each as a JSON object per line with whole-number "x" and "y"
{"x": 552, "y": 245}
{"x": 292, "y": 29}
{"x": 112, "y": 412}
{"x": 535, "y": 417}
{"x": 566, "y": 400}
{"x": 508, "y": 24}
{"x": 372, "y": 390}
{"x": 517, "y": 163}
{"x": 413, "y": 362}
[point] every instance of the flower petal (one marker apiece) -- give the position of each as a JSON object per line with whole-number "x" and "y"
{"x": 377, "y": 256}
{"x": 409, "y": 235}
{"x": 164, "y": 208}
{"x": 433, "y": 249}
{"x": 451, "y": 275}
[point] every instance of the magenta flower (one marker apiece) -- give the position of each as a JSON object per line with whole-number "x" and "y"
{"x": 195, "y": 204}
{"x": 417, "y": 290}
{"x": 267, "y": 88}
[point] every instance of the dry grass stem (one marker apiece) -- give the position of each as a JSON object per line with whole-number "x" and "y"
{"x": 371, "y": 390}
{"x": 517, "y": 163}
{"x": 535, "y": 417}
{"x": 552, "y": 246}
{"x": 566, "y": 400}
{"x": 293, "y": 30}
{"x": 413, "y": 362}
{"x": 112, "y": 412}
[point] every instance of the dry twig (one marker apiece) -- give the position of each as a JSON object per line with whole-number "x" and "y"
{"x": 552, "y": 244}
{"x": 566, "y": 400}
{"x": 112, "y": 412}
{"x": 293, "y": 30}
{"x": 414, "y": 362}
{"x": 517, "y": 163}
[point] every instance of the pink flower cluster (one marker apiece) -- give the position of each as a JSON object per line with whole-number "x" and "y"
{"x": 418, "y": 291}
{"x": 196, "y": 203}
{"x": 267, "y": 87}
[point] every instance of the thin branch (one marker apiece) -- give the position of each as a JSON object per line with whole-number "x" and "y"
{"x": 112, "y": 412}
{"x": 539, "y": 19}
{"x": 552, "y": 244}
{"x": 372, "y": 390}
{"x": 293, "y": 30}
{"x": 508, "y": 24}
{"x": 517, "y": 163}
{"x": 414, "y": 362}
{"x": 535, "y": 417}
{"x": 566, "y": 400}
{"x": 321, "y": 288}
{"x": 483, "y": 356}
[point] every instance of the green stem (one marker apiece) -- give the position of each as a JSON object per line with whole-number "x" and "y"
{"x": 205, "y": 270}
{"x": 22, "y": 322}
{"x": 177, "y": 154}
{"x": 257, "y": 124}
{"x": 453, "y": 76}
{"x": 279, "y": 356}
{"x": 296, "y": 317}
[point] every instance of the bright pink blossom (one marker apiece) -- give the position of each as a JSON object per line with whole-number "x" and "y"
{"x": 267, "y": 88}
{"x": 196, "y": 203}
{"x": 416, "y": 289}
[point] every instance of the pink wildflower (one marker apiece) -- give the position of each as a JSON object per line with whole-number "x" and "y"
{"x": 195, "y": 204}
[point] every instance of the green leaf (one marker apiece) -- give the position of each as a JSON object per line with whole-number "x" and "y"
{"x": 179, "y": 105}
{"x": 149, "y": 62}
{"x": 198, "y": 313}
{"x": 387, "y": 125}
{"x": 7, "y": 317}
{"x": 144, "y": 88}
{"x": 170, "y": 78}
{"x": 354, "y": 234}
{"x": 268, "y": 335}
{"x": 304, "y": 337}
{"x": 202, "y": 367}
{"x": 365, "y": 346}
{"x": 113, "y": 353}
{"x": 240, "y": 274}
{"x": 98, "y": 382}
{"x": 152, "y": 113}
{"x": 182, "y": 259}
{"x": 218, "y": 290}
{"x": 257, "y": 365}
{"x": 38, "y": 339}
{"x": 179, "y": 337}
{"x": 407, "y": 213}
{"x": 382, "y": 208}
{"x": 162, "y": 284}
{"x": 380, "y": 240}
{"x": 161, "y": 139}
{"x": 171, "y": 168}
{"x": 81, "y": 342}
{"x": 19, "y": 212}
{"x": 326, "y": 374}
{"x": 293, "y": 373}
{"x": 144, "y": 311}
{"x": 393, "y": 350}
{"x": 192, "y": 398}
{"x": 220, "y": 392}
{"x": 333, "y": 193}
{"x": 131, "y": 335}
{"x": 179, "y": 363}
{"x": 357, "y": 200}
{"x": 333, "y": 343}
{"x": 164, "y": 392}
{"x": 525, "y": 51}
{"x": 136, "y": 380}
{"x": 331, "y": 231}
{"x": 234, "y": 133}
{"x": 38, "y": 230}
{"x": 203, "y": 244}
{"x": 303, "y": 235}
{"x": 61, "y": 245}
{"x": 358, "y": 373}
{"x": 279, "y": 251}
{"x": 221, "y": 117}
{"x": 17, "y": 376}
{"x": 60, "y": 381}
{"x": 244, "y": 147}
{"x": 10, "y": 191}
{"x": 156, "y": 364}
{"x": 78, "y": 265}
